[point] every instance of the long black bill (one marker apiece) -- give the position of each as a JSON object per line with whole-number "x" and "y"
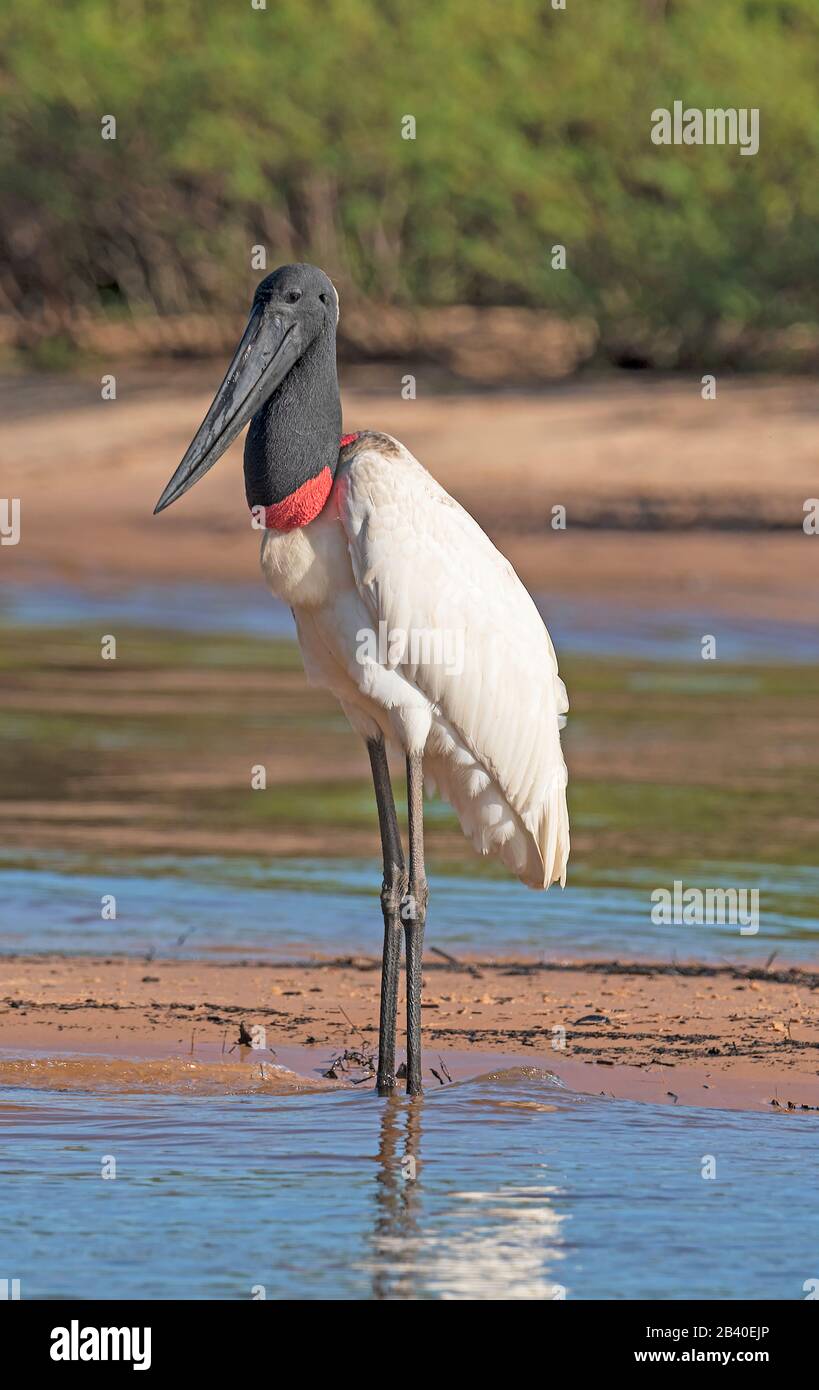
{"x": 269, "y": 348}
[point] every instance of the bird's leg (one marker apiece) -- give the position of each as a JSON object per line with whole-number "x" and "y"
{"x": 393, "y": 888}
{"x": 414, "y": 914}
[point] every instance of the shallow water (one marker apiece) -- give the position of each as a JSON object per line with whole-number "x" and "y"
{"x": 522, "y": 1191}
{"x": 208, "y": 908}
{"x": 583, "y": 626}
{"x": 645, "y": 821}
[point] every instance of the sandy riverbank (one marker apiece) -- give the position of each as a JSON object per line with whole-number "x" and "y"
{"x": 660, "y": 487}
{"x": 684, "y": 1034}
{"x": 621, "y": 455}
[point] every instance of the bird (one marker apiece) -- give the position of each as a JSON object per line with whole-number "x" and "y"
{"x": 404, "y": 610}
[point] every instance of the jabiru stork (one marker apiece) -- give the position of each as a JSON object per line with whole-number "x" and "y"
{"x": 358, "y": 539}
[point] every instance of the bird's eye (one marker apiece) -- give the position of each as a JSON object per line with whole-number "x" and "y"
{"x": 324, "y": 299}
{"x": 292, "y": 296}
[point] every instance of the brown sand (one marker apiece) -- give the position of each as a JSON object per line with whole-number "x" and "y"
{"x": 684, "y": 1034}
{"x": 620, "y": 455}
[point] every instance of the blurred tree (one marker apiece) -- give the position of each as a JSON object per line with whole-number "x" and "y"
{"x": 283, "y": 127}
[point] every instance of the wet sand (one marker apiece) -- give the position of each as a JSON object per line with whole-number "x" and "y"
{"x": 685, "y": 1034}
{"x": 623, "y": 456}
{"x": 195, "y": 1076}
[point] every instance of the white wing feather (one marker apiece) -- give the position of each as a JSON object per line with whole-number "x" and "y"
{"x": 475, "y": 647}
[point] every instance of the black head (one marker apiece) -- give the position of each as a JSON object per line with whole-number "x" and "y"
{"x": 289, "y": 340}
{"x": 302, "y": 291}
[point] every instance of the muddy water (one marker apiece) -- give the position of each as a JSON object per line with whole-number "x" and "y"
{"x": 217, "y": 909}
{"x": 521, "y": 1190}
{"x": 600, "y": 629}
{"x": 132, "y": 779}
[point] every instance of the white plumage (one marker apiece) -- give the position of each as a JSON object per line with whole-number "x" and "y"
{"x": 421, "y": 628}
{"x": 404, "y": 609}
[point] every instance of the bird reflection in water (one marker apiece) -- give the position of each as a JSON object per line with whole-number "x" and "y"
{"x": 503, "y": 1242}
{"x": 398, "y": 1198}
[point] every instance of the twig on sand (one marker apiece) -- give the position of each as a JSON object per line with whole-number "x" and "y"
{"x": 456, "y": 964}
{"x": 245, "y": 1038}
{"x": 351, "y": 1057}
{"x": 354, "y": 1026}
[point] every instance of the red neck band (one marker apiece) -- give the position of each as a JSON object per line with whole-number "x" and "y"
{"x": 301, "y": 507}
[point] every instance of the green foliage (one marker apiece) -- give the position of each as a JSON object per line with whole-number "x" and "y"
{"x": 238, "y": 126}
